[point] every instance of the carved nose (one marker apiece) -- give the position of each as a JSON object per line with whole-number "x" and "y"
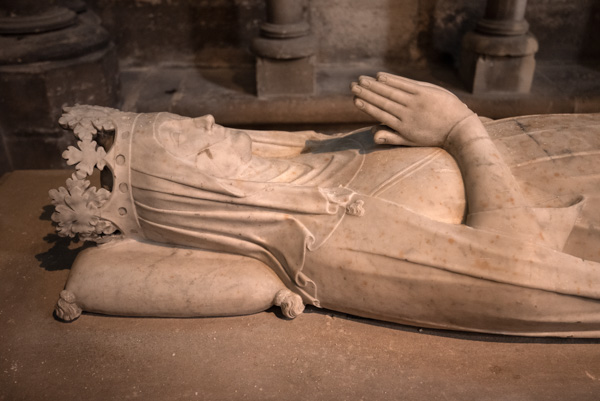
{"x": 210, "y": 121}
{"x": 206, "y": 122}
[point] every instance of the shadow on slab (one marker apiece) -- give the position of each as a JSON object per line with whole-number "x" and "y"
{"x": 459, "y": 335}
{"x": 63, "y": 252}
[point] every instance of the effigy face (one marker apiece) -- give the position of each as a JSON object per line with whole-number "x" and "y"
{"x": 494, "y": 229}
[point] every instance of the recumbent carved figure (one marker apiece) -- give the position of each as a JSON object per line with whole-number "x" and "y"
{"x": 432, "y": 219}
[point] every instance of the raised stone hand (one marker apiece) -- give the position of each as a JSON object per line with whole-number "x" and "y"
{"x": 421, "y": 114}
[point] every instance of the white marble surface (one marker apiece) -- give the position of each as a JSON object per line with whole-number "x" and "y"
{"x": 435, "y": 219}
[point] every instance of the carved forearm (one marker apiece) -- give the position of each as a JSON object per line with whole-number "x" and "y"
{"x": 494, "y": 198}
{"x": 488, "y": 181}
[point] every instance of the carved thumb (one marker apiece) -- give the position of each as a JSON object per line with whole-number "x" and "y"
{"x": 384, "y": 135}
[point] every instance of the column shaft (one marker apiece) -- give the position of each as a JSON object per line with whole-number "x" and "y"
{"x": 284, "y": 50}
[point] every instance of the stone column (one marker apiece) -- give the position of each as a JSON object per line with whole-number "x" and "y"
{"x": 499, "y": 56}
{"x": 34, "y": 16}
{"x": 284, "y": 50}
{"x": 52, "y": 53}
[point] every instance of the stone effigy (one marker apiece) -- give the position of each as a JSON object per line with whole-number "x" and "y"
{"x": 432, "y": 219}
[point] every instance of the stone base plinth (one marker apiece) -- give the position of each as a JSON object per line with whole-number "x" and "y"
{"x": 42, "y": 72}
{"x": 498, "y": 63}
{"x": 482, "y": 73}
{"x": 32, "y": 97}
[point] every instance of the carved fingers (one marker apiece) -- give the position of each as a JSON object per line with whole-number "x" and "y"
{"x": 377, "y": 113}
{"x": 407, "y": 84}
{"x": 422, "y": 114}
{"x": 387, "y": 104}
{"x": 384, "y": 103}
{"x": 397, "y": 95}
{"x": 384, "y": 97}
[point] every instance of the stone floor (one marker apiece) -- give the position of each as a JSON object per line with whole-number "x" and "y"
{"x": 320, "y": 355}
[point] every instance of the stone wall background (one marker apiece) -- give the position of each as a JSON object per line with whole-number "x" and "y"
{"x": 217, "y": 33}
{"x": 192, "y": 56}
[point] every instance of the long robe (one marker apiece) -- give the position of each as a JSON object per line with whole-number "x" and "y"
{"x": 278, "y": 221}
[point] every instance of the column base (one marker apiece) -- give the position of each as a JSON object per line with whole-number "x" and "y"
{"x": 41, "y": 73}
{"x": 498, "y": 63}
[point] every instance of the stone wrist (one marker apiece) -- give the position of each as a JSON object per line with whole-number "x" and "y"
{"x": 457, "y": 129}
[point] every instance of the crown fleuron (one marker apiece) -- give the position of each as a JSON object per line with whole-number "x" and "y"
{"x": 83, "y": 210}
